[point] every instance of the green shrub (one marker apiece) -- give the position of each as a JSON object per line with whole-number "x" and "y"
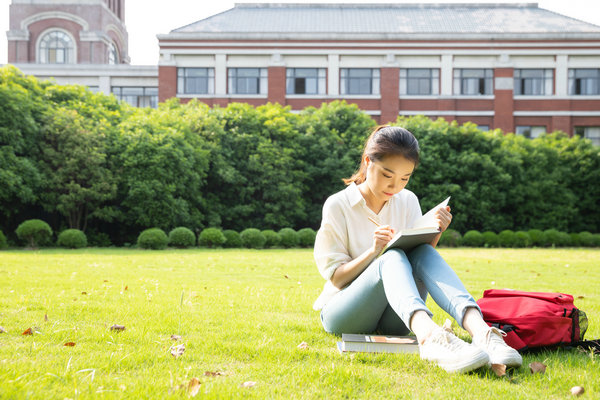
{"x": 552, "y": 238}
{"x": 35, "y": 232}
{"x": 182, "y": 237}
{"x": 289, "y": 237}
{"x": 306, "y": 237}
{"x": 3, "y": 243}
{"x": 507, "y": 238}
{"x": 273, "y": 238}
{"x": 72, "y": 238}
{"x": 523, "y": 239}
{"x": 564, "y": 239}
{"x": 490, "y": 239}
{"x": 153, "y": 238}
{"x": 586, "y": 239}
{"x": 252, "y": 238}
{"x": 536, "y": 236}
{"x": 232, "y": 239}
{"x": 472, "y": 238}
{"x": 596, "y": 240}
{"x": 211, "y": 237}
{"x": 450, "y": 238}
{"x": 575, "y": 241}
{"x": 99, "y": 239}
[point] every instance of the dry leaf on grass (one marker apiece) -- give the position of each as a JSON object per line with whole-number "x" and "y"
{"x": 118, "y": 328}
{"x": 303, "y": 346}
{"x": 69, "y": 344}
{"x": 175, "y": 337}
{"x": 213, "y": 373}
{"x": 248, "y": 384}
{"x": 499, "y": 369}
{"x": 577, "y": 390}
{"x": 537, "y": 367}
{"x": 194, "y": 387}
{"x": 84, "y": 293}
{"x": 126, "y": 287}
{"x": 177, "y": 351}
{"x": 46, "y": 317}
{"x": 27, "y": 331}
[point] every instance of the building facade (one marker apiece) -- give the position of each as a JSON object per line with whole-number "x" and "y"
{"x": 79, "y": 42}
{"x": 511, "y": 66}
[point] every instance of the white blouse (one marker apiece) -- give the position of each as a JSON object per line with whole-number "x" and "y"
{"x": 346, "y": 231}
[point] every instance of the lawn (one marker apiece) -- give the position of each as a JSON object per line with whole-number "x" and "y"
{"x": 241, "y": 315}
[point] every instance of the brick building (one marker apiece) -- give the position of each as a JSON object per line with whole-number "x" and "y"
{"x": 79, "y": 42}
{"x": 511, "y": 66}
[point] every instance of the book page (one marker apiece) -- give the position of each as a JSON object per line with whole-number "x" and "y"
{"x": 428, "y": 220}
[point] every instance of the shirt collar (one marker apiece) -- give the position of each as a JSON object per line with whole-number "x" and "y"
{"x": 354, "y": 195}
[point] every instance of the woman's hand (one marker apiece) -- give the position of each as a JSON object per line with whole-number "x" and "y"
{"x": 444, "y": 217}
{"x": 382, "y": 235}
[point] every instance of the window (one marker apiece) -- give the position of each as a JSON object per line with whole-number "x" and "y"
{"x": 305, "y": 80}
{"x": 56, "y": 47}
{"x": 473, "y": 81}
{"x": 530, "y": 131}
{"x": 483, "y": 128}
{"x": 247, "y": 80}
{"x": 534, "y": 82}
{"x": 195, "y": 80}
{"x": 137, "y": 96}
{"x": 359, "y": 81}
{"x": 113, "y": 55}
{"x": 589, "y": 132}
{"x": 419, "y": 81}
{"x": 584, "y": 81}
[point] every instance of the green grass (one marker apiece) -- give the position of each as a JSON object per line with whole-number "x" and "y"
{"x": 243, "y": 313}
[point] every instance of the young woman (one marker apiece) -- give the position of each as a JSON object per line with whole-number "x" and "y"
{"x": 365, "y": 293}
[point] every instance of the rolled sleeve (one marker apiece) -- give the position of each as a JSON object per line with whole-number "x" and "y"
{"x": 331, "y": 243}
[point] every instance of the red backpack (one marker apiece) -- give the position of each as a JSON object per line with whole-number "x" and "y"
{"x": 533, "y": 319}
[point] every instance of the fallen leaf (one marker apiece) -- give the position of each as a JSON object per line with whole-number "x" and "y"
{"x": 106, "y": 280}
{"x": 2, "y": 330}
{"x": 537, "y": 367}
{"x": 286, "y": 277}
{"x": 177, "y": 351}
{"x": 69, "y": 344}
{"x": 175, "y": 337}
{"x": 580, "y": 297}
{"x": 126, "y": 287}
{"x": 118, "y": 328}
{"x": 577, "y": 390}
{"x": 84, "y": 293}
{"x": 248, "y": 384}
{"x": 499, "y": 369}
{"x": 46, "y": 317}
{"x": 193, "y": 387}
{"x": 28, "y": 331}
{"x": 303, "y": 346}
{"x": 213, "y": 374}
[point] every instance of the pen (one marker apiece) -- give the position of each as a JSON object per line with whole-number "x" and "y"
{"x": 373, "y": 221}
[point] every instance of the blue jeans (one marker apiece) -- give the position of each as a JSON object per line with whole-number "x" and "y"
{"x": 387, "y": 293}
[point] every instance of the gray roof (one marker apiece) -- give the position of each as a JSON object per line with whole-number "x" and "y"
{"x": 388, "y": 21}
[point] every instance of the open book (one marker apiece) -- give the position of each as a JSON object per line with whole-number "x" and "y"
{"x": 424, "y": 230}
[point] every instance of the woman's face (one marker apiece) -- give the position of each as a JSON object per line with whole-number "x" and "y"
{"x": 388, "y": 176}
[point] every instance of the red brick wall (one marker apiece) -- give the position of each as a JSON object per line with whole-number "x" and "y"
{"x": 277, "y": 85}
{"x": 390, "y": 102}
{"x": 167, "y": 82}
{"x": 504, "y": 103}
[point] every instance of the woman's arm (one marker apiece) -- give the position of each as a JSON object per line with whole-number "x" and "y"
{"x": 349, "y": 271}
{"x": 444, "y": 217}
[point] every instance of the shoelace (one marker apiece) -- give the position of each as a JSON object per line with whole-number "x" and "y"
{"x": 494, "y": 336}
{"x": 448, "y": 340}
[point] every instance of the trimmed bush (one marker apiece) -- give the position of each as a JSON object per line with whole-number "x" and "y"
{"x": 306, "y": 237}
{"x": 182, "y": 237}
{"x": 596, "y": 240}
{"x": 523, "y": 239}
{"x": 232, "y": 239}
{"x": 507, "y": 238}
{"x": 211, "y": 237}
{"x": 72, "y": 239}
{"x": 586, "y": 239}
{"x": 536, "y": 236}
{"x": 490, "y": 239}
{"x": 35, "y": 232}
{"x": 554, "y": 238}
{"x": 3, "y": 243}
{"x": 153, "y": 238}
{"x": 472, "y": 238}
{"x": 289, "y": 237}
{"x": 450, "y": 238}
{"x": 99, "y": 239}
{"x": 273, "y": 238}
{"x": 252, "y": 238}
{"x": 564, "y": 239}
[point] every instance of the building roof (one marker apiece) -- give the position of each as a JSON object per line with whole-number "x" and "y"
{"x": 388, "y": 21}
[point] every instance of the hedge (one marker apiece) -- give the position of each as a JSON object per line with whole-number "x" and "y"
{"x": 3, "y": 243}
{"x": 232, "y": 239}
{"x": 35, "y": 232}
{"x": 272, "y": 238}
{"x": 72, "y": 238}
{"x": 182, "y": 237}
{"x": 153, "y": 238}
{"x": 211, "y": 237}
{"x": 252, "y": 238}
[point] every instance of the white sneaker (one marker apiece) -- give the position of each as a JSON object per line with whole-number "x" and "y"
{"x": 499, "y": 352}
{"x": 452, "y": 353}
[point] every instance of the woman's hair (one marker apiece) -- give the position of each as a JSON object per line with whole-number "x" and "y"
{"x": 385, "y": 141}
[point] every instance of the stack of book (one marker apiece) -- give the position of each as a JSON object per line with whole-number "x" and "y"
{"x": 378, "y": 344}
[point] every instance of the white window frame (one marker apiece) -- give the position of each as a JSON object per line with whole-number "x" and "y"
{"x": 182, "y": 80}
{"x": 432, "y": 79}
{"x": 70, "y": 56}
{"x": 348, "y": 82}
